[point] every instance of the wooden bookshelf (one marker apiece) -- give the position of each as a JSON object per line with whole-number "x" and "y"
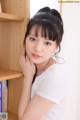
{"x": 9, "y": 74}
{"x": 12, "y": 116}
{"x": 13, "y": 19}
{"x": 10, "y": 17}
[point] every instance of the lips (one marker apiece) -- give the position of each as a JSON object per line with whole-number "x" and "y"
{"x": 36, "y": 55}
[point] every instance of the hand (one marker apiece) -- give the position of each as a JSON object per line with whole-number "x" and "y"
{"x": 27, "y": 66}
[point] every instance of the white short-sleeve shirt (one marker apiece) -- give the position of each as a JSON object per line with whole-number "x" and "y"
{"x": 51, "y": 85}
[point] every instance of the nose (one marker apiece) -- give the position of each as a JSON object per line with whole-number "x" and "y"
{"x": 38, "y": 46}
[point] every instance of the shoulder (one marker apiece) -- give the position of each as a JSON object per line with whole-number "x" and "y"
{"x": 53, "y": 77}
{"x": 52, "y": 84}
{"x": 54, "y": 72}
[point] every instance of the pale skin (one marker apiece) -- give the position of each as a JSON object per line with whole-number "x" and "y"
{"x": 39, "y": 51}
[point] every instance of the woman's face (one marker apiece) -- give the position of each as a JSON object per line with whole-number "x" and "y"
{"x": 39, "y": 49}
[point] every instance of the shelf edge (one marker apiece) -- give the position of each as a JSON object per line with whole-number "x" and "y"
{"x": 11, "y": 17}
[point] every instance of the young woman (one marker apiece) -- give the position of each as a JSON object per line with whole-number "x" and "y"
{"x": 43, "y": 87}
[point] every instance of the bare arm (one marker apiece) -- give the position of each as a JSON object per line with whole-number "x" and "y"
{"x": 37, "y": 107}
{"x": 25, "y": 98}
{"x": 28, "y": 70}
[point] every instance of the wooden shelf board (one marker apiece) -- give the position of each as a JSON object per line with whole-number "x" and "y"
{"x": 10, "y": 17}
{"x": 12, "y": 116}
{"x": 9, "y": 74}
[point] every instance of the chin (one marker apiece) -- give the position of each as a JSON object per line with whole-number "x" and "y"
{"x": 36, "y": 61}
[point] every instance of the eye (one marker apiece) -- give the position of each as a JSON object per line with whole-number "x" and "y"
{"x": 47, "y": 43}
{"x": 32, "y": 39}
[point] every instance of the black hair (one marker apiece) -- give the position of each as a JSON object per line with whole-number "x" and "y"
{"x": 50, "y": 22}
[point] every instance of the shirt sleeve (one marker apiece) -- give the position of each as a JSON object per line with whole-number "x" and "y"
{"x": 52, "y": 87}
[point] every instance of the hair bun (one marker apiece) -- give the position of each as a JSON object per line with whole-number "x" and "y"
{"x": 55, "y": 13}
{"x": 45, "y": 9}
{"x": 50, "y": 11}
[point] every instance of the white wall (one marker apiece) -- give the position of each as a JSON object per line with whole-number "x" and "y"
{"x": 35, "y": 6}
{"x": 70, "y": 51}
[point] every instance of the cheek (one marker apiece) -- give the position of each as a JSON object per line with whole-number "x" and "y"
{"x": 48, "y": 54}
{"x": 50, "y": 51}
{"x": 27, "y": 48}
{"x": 27, "y": 45}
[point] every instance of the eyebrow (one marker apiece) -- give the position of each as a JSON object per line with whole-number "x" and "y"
{"x": 37, "y": 36}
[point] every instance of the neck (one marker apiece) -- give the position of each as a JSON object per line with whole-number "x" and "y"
{"x": 43, "y": 66}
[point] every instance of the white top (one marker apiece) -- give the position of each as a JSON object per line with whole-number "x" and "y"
{"x": 51, "y": 85}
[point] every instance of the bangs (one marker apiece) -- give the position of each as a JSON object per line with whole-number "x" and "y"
{"x": 47, "y": 29}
